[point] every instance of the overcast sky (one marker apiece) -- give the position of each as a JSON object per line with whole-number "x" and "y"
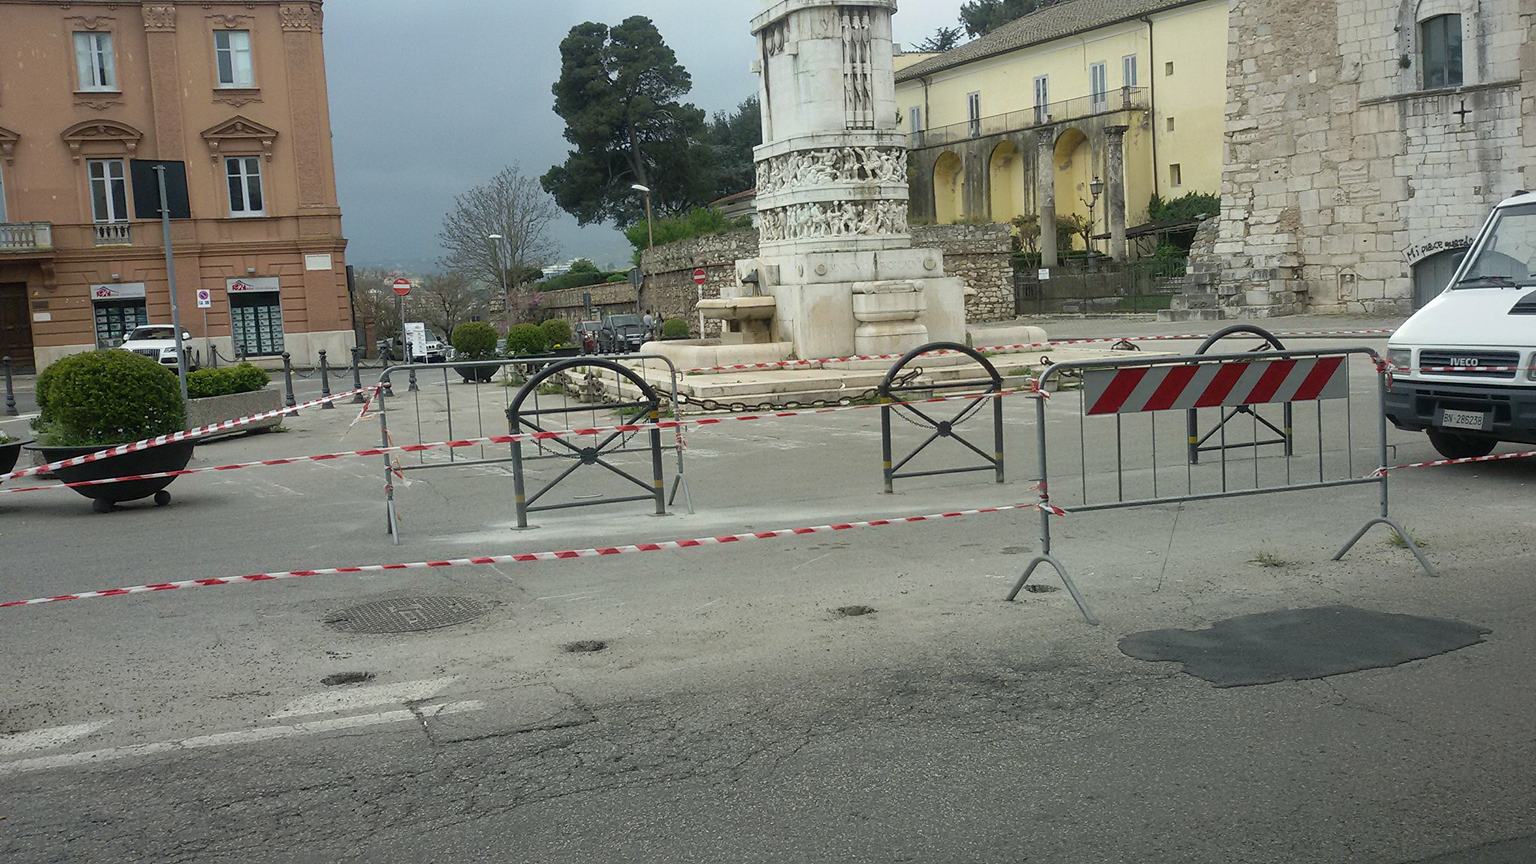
{"x": 431, "y": 98}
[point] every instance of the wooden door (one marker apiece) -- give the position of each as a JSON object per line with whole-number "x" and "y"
{"x": 15, "y": 325}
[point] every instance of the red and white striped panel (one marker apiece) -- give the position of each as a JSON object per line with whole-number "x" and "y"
{"x": 1204, "y": 385}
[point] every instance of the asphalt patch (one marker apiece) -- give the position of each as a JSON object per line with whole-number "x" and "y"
{"x": 1301, "y": 644}
{"x": 341, "y": 678}
{"x": 853, "y": 611}
{"x": 584, "y": 646}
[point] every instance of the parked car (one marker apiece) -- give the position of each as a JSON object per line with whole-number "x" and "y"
{"x": 1464, "y": 366}
{"x": 158, "y": 343}
{"x": 622, "y": 333}
{"x": 435, "y": 351}
{"x": 587, "y": 333}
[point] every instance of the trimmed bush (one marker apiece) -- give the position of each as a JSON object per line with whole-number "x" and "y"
{"x": 474, "y": 340}
{"x": 557, "y": 332}
{"x": 524, "y": 340}
{"x": 674, "y": 328}
{"x": 227, "y": 381}
{"x": 102, "y": 398}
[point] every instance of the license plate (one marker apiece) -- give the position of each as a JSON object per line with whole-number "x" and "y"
{"x": 1476, "y": 420}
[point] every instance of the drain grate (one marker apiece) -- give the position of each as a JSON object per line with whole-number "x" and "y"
{"x": 407, "y": 614}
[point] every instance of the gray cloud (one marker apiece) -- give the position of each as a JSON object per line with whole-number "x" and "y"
{"x": 428, "y": 99}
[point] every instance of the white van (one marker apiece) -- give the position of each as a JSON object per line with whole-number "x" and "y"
{"x": 1464, "y": 366}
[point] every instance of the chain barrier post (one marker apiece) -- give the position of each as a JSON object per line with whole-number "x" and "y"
{"x": 885, "y": 444}
{"x": 412, "y": 378}
{"x": 10, "y": 388}
{"x": 288, "y": 400}
{"x": 357, "y": 375}
{"x": 325, "y": 381}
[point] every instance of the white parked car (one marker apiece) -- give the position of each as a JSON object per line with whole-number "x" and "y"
{"x": 158, "y": 343}
{"x": 1464, "y": 366}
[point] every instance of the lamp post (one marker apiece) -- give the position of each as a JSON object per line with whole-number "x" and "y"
{"x": 1095, "y": 189}
{"x": 650, "y": 228}
{"x": 501, "y": 268}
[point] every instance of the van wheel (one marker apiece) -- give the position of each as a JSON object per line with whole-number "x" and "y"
{"x": 1454, "y": 446}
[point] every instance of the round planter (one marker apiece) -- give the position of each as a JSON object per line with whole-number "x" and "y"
{"x": 477, "y": 374}
{"x": 168, "y": 457}
{"x": 9, "y": 453}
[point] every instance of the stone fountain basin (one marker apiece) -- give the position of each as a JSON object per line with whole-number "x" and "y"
{"x": 739, "y": 308}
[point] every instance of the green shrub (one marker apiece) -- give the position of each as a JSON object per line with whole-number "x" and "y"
{"x": 557, "y": 332}
{"x": 616, "y": 278}
{"x": 674, "y": 328}
{"x": 242, "y": 378}
{"x": 474, "y": 340}
{"x": 699, "y": 222}
{"x": 102, "y": 398}
{"x": 1185, "y": 208}
{"x": 524, "y": 340}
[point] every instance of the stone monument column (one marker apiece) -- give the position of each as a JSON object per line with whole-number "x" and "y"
{"x": 1045, "y": 176}
{"x": 1114, "y": 139}
{"x": 835, "y": 251}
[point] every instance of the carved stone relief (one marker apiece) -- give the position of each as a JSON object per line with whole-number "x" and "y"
{"x": 159, "y": 17}
{"x": 809, "y": 169}
{"x": 837, "y": 219}
{"x": 858, "y": 68}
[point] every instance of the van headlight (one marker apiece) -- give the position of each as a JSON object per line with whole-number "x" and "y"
{"x": 1401, "y": 359}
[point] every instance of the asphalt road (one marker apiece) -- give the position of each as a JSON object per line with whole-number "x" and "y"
{"x": 734, "y": 714}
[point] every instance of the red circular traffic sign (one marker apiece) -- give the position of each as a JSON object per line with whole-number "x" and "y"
{"x": 700, "y": 276}
{"x": 402, "y": 287}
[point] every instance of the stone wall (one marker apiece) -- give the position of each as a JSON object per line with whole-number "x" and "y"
{"x": 570, "y": 304}
{"x": 1342, "y": 172}
{"x": 978, "y": 254}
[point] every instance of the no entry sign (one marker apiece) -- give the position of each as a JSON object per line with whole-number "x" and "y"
{"x": 402, "y": 287}
{"x": 700, "y": 276}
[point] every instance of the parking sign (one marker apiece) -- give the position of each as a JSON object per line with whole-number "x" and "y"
{"x": 204, "y": 298}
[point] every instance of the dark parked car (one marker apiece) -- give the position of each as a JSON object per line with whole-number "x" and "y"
{"x": 622, "y": 334}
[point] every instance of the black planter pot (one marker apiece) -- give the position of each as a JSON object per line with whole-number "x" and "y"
{"x": 169, "y": 457}
{"x": 9, "y": 453}
{"x": 477, "y": 374}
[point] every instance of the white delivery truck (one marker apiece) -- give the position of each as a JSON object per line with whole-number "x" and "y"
{"x": 1464, "y": 366}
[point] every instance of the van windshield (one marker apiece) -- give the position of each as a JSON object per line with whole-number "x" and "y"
{"x": 1507, "y": 257}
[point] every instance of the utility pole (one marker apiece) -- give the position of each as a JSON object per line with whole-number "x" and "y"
{"x": 170, "y": 275}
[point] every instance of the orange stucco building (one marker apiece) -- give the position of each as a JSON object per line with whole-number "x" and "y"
{"x": 237, "y": 91}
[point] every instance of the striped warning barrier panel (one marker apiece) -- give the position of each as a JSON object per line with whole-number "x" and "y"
{"x": 1133, "y": 394}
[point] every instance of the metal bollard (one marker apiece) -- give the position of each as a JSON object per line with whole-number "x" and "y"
{"x": 413, "y": 388}
{"x": 10, "y": 388}
{"x": 357, "y": 375}
{"x": 325, "y": 381}
{"x": 288, "y": 400}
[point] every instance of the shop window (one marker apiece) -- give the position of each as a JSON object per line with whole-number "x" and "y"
{"x": 115, "y": 319}
{"x": 257, "y": 323}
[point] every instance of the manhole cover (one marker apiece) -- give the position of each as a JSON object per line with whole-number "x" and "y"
{"x": 407, "y": 614}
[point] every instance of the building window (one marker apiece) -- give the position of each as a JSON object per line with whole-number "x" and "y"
{"x": 1042, "y": 99}
{"x": 1440, "y": 47}
{"x": 916, "y": 117}
{"x": 95, "y": 67}
{"x": 1168, "y": 68}
{"x": 115, "y": 319}
{"x": 245, "y": 197}
{"x": 1170, "y": 124}
{"x": 973, "y": 111}
{"x": 232, "y": 48}
{"x": 256, "y": 320}
{"x": 1175, "y": 174}
{"x": 1128, "y": 70}
{"x": 109, "y": 190}
{"x": 1098, "y": 86}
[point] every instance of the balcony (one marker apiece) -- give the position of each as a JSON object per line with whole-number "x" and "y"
{"x": 1065, "y": 111}
{"x": 112, "y": 234}
{"x": 25, "y": 237}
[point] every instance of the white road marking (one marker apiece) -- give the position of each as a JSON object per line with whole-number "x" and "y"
{"x": 353, "y": 698}
{"x": 243, "y": 736}
{"x": 47, "y": 739}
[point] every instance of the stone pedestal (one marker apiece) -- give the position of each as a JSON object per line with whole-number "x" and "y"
{"x": 835, "y": 250}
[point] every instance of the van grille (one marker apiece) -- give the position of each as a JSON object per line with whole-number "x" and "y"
{"x": 1469, "y": 363}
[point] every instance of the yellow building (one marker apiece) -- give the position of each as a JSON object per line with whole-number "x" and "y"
{"x": 1130, "y": 93}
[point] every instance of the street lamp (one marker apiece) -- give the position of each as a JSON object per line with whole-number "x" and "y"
{"x": 501, "y": 268}
{"x": 650, "y": 229}
{"x": 1095, "y": 189}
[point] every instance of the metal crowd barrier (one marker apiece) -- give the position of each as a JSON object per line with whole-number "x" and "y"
{"x": 1126, "y": 391}
{"x": 542, "y": 390}
{"x": 896, "y": 399}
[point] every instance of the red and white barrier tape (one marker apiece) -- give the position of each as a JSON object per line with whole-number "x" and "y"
{"x": 1025, "y": 346}
{"x": 530, "y": 557}
{"x": 516, "y": 437}
{"x": 162, "y": 440}
{"x": 1438, "y": 463}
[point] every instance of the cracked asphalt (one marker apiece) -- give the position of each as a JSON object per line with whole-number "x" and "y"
{"x": 734, "y": 715}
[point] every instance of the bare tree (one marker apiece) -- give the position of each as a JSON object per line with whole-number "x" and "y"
{"x": 510, "y": 205}
{"x": 445, "y": 301}
{"x": 376, "y": 301}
